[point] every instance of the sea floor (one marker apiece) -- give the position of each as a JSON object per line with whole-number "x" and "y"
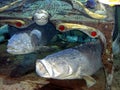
{"x": 31, "y": 81}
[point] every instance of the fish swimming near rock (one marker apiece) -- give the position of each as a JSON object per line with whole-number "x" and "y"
{"x": 27, "y": 42}
{"x": 73, "y": 63}
{"x": 30, "y": 40}
{"x": 17, "y": 43}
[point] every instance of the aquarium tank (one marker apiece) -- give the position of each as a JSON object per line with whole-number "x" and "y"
{"x": 59, "y": 44}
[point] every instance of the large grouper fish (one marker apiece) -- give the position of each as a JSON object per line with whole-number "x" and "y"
{"x": 78, "y": 62}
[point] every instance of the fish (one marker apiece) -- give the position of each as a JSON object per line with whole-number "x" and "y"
{"x": 33, "y": 37}
{"x": 79, "y": 62}
{"x": 22, "y": 42}
{"x": 30, "y": 39}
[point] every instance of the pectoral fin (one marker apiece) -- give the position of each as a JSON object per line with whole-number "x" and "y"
{"x": 89, "y": 81}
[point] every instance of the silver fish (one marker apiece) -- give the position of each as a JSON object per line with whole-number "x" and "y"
{"x": 23, "y": 43}
{"x": 34, "y": 36}
{"x": 73, "y": 63}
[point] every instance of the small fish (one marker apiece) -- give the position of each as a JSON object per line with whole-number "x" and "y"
{"x": 91, "y": 4}
{"x": 29, "y": 40}
{"x": 73, "y": 63}
{"x": 24, "y": 42}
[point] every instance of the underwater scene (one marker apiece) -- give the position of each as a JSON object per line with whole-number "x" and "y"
{"x": 59, "y": 45}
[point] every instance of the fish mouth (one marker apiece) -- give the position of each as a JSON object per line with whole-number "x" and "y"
{"x": 44, "y": 69}
{"x": 16, "y": 50}
{"x": 12, "y": 50}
